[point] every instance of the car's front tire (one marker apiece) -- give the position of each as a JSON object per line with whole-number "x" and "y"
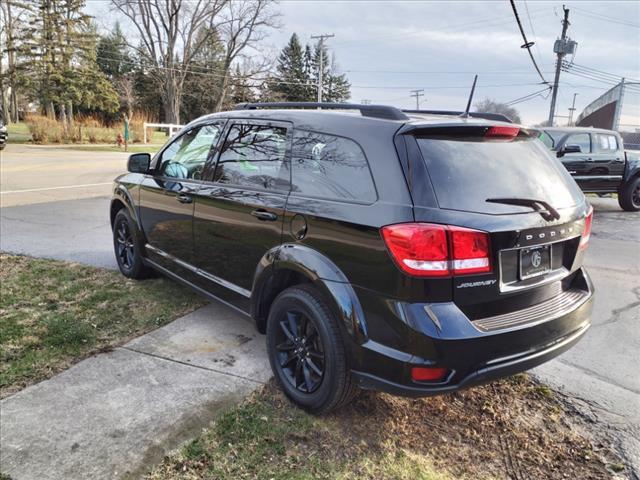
{"x": 306, "y": 351}
{"x": 128, "y": 247}
{"x": 629, "y": 195}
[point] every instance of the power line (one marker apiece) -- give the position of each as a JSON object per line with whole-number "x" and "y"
{"x": 589, "y": 69}
{"x": 533, "y": 31}
{"x": 530, "y": 96}
{"x": 606, "y": 18}
{"x": 527, "y": 44}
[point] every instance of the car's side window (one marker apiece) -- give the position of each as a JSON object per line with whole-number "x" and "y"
{"x": 581, "y": 139}
{"x": 186, "y": 156}
{"x": 330, "y": 167}
{"x": 254, "y": 156}
{"x": 547, "y": 140}
{"x": 605, "y": 143}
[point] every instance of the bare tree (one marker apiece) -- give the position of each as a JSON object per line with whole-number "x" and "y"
{"x": 244, "y": 26}
{"x": 167, "y": 31}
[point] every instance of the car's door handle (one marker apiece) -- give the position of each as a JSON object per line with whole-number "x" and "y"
{"x": 184, "y": 198}
{"x": 263, "y": 215}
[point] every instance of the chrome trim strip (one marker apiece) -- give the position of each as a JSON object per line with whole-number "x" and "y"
{"x": 224, "y": 283}
{"x": 212, "y": 278}
{"x": 597, "y": 177}
{"x": 551, "y": 309}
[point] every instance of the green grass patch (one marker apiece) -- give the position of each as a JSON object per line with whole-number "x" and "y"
{"x": 54, "y": 313}
{"x": 18, "y": 133}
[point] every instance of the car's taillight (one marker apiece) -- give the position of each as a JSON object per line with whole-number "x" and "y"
{"x": 499, "y": 131}
{"x": 586, "y": 233}
{"x": 471, "y": 251}
{"x": 429, "y": 250}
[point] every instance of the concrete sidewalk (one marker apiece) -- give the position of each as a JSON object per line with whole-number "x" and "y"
{"x": 117, "y": 414}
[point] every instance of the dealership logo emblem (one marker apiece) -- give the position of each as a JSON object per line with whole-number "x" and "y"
{"x": 536, "y": 259}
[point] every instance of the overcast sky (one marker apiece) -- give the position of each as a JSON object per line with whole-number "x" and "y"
{"x": 389, "y": 48}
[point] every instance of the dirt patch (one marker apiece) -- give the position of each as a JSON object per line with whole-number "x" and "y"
{"x": 512, "y": 429}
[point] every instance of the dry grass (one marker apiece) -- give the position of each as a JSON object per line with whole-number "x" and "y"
{"x": 85, "y": 129}
{"x": 53, "y": 314}
{"x": 512, "y": 429}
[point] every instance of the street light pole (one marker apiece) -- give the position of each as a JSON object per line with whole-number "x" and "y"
{"x": 572, "y": 109}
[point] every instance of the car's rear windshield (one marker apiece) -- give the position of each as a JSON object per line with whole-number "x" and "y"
{"x": 465, "y": 172}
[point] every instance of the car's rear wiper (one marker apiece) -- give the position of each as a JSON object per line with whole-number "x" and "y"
{"x": 540, "y": 206}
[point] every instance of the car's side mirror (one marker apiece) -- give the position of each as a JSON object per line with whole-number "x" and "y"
{"x": 569, "y": 149}
{"x": 139, "y": 163}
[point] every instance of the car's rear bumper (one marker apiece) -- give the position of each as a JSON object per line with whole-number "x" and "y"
{"x": 471, "y": 356}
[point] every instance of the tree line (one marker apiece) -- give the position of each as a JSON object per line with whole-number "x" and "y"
{"x": 178, "y": 59}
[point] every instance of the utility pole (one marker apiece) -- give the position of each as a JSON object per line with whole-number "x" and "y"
{"x": 321, "y": 69}
{"x": 560, "y": 50}
{"x": 572, "y": 109}
{"x": 417, "y": 94}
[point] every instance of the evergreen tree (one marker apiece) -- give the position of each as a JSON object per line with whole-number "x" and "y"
{"x": 335, "y": 87}
{"x": 59, "y": 48}
{"x": 289, "y": 81}
{"x": 296, "y": 76}
{"x": 113, "y": 56}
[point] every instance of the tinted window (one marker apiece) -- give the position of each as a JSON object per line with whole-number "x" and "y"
{"x": 580, "y": 139}
{"x": 605, "y": 143}
{"x": 330, "y": 167}
{"x": 547, "y": 140}
{"x": 254, "y": 155}
{"x": 186, "y": 156}
{"x": 467, "y": 173}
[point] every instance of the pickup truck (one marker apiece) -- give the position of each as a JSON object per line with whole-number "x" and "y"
{"x": 597, "y": 161}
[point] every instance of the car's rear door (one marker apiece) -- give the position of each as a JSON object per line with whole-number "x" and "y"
{"x": 608, "y": 162}
{"x": 166, "y": 195}
{"x": 239, "y": 209}
{"x": 579, "y": 164}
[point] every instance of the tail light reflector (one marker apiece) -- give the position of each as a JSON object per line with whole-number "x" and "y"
{"x": 428, "y": 374}
{"x": 586, "y": 233}
{"x": 429, "y": 250}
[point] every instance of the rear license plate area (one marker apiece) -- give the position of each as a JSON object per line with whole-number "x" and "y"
{"x": 535, "y": 261}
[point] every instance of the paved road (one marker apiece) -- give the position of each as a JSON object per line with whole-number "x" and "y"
{"x": 601, "y": 371}
{"x": 35, "y": 174}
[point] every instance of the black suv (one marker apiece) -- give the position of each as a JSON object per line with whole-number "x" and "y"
{"x": 597, "y": 161}
{"x": 414, "y": 254}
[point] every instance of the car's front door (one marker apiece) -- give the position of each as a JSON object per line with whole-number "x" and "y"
{"x": 578, "y": 163}
{"x": 608, "y": 162}
{"x": 166, "y": 195}
{"x": 239, "y": 210}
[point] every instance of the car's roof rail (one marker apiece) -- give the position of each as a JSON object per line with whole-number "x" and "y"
{"x": 486, "y": 115}
{"x": 374, "y": 111}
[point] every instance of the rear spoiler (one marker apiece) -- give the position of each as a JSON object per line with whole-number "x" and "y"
{"x": 498, "y": 117}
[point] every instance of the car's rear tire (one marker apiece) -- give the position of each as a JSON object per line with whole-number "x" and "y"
{"x": 307, "y": 352}
{"x": 128, "y": 247}
{"x": 629, "y": 195}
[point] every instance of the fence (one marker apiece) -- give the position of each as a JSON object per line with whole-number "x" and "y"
{"x": 171, "y": 126}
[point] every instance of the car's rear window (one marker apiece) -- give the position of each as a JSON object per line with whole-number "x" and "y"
{"x": 467, "y": 172}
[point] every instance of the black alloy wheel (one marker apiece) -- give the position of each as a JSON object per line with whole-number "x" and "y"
{"x": 300, "y": 352}
{"x": 125, "y": 248}
{"x": 307, "y": 350}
